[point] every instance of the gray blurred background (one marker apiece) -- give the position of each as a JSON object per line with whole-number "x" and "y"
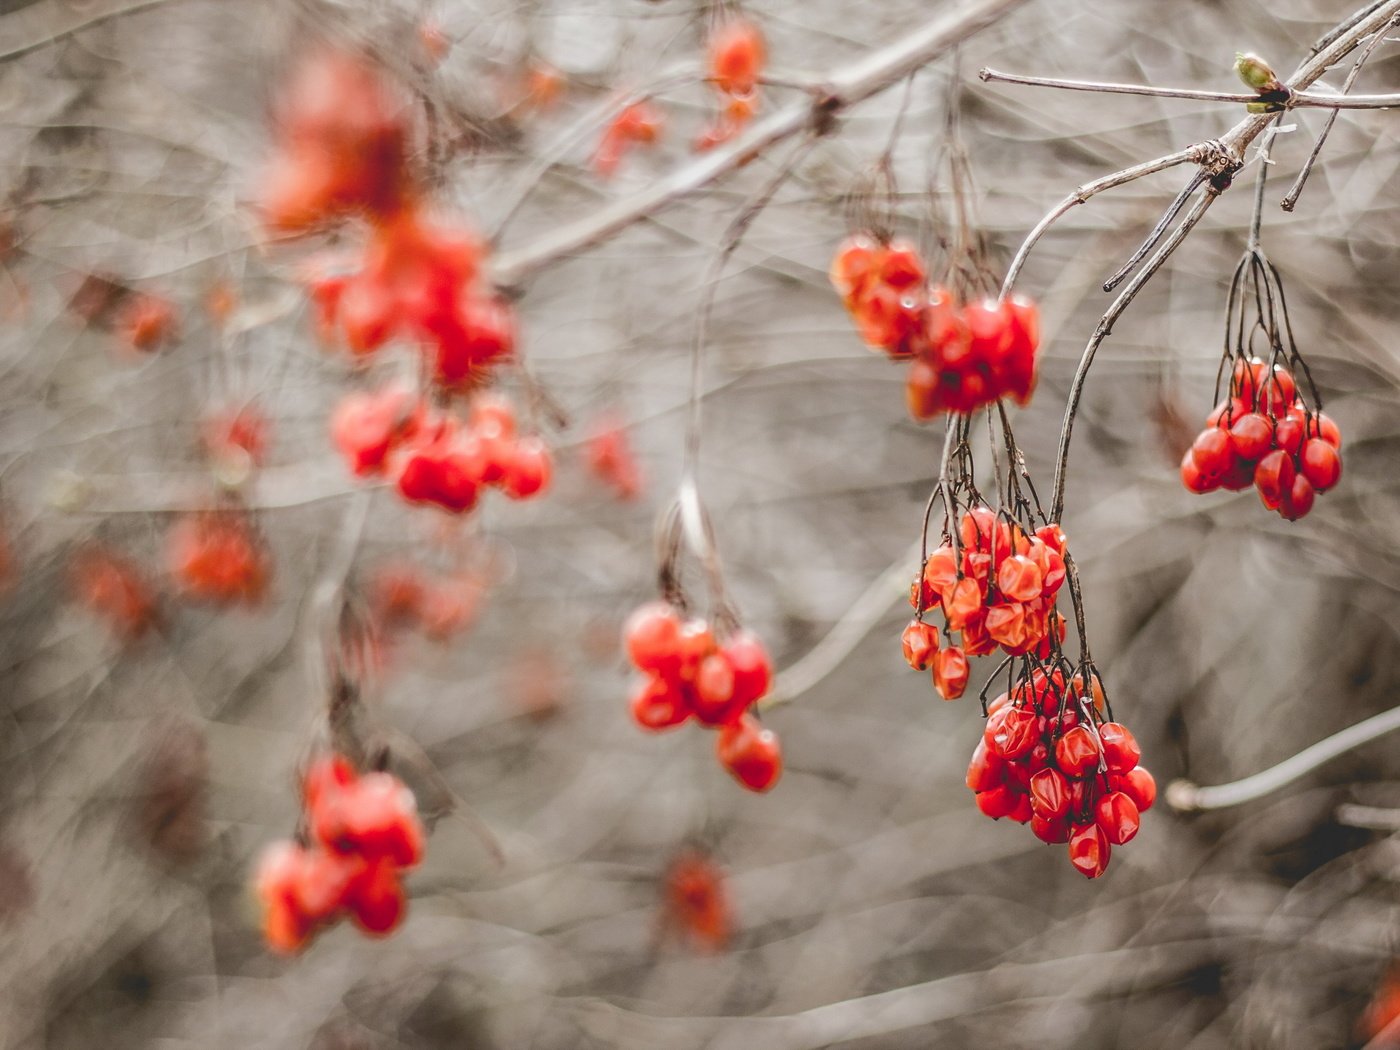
{"x": 873, "y": 905}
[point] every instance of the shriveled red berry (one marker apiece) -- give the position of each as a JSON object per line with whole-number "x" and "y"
{"x": 1089, "y": 850}
{"x": 950, "y": 672}
{"x": 1012, "y": 731}
{"x": 1049, "y": 793}
{"x": 920, "y": 641}
{"x": 1120, "y": 748}
{"x": 1117, "y": 817}
{"x": 1077, "y": 753}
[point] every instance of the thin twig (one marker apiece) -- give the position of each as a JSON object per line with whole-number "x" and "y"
{"x": 1184, "y": 795}
{"x": 1290, "y": 199}
{"x": 1081, "y": 196}
{"x": 1294, "y": 100}
{"x": 1105, "y": 326}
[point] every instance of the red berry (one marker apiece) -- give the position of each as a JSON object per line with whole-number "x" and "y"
{"x": 751, "y": 753}
{"x": 376, "y": 899}
{"x": 737, "y": 55}
{"x": 1139, "y": 786}
{"x": 950, "y": 672}
{"x": 1193, "y": 477}
{"x": 985, "y": 771}
{"x": 997, "y": 802}
{"x": 1089, "y": 850}
{"x": 1298, "y": 500}
{"x": 1117, "y": 817}
{"x": 1326, "y": 428}
{"x": 1049, "y": 793}
{"x": 1251, "y": 436}
{"x": 714, "y": 690}
{"x": 1321, "y": 463}
{"x": 920, "y": 644}
{"x": 1051, "y": 831}
{"x": 651, "y": 637}
{"x": 658, "y": 703}
{"x": 528, "y": 470}
{"x": 1120, "y": 748}
{"x": 1012, "y": 731}
{"x": 1273, "y": 477}
{"x": 753, "y": 672}
{"x": 1077, "y": 753}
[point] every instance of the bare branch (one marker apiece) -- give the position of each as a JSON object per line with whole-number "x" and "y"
{"x": 1184, "y": 795}
{"x": 855, "y": 83}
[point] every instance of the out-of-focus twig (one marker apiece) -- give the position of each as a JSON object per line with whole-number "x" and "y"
{"x": 867, "y": 76}
{"x": 1184, "y": 795}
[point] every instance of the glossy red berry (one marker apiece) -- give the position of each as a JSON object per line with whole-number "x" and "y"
{"x": 1320, "y": 463}
{"x": 1139, "y": 785}
{"x": 751, "y": 753}
{"x": 1273, "y": 477}
{"x": 1251, "y": 435}
{"x": 651, "y": 638}
{"x": 658, "y": 703}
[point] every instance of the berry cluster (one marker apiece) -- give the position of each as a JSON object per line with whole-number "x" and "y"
{"x": 1264, "y": 435}
{"x": 363, "y": 832}
{"x": 963, "y": 355}
{"x": 343, "y": 150}
{"x": 1048, "y": 758}
{"x": 435, "y": 457}
{"x": 1000, "y": 593}
{"x": 342, "y": 146}
{"x": 216, "y": 557}
{"x": 639, "y": 124}
{"x": 691, "y": 674}
{"x": 736, "y": 59}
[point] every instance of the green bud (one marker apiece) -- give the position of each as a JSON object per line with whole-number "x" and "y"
{"x": 1256, "y": 73}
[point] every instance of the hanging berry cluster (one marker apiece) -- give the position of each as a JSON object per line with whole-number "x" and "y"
{"x": 362, "y": 833}
{"x": 736, "y": 58}
{"x": 1050, "y": 757}
{"x": 994, "y": 577}
{"x": 1264, "y": 433}
{"x": 435, "y": 457}
{"x": 343, "y": 152}
{"x": 965, "y": 353}
{"x": 690, "y": 673}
